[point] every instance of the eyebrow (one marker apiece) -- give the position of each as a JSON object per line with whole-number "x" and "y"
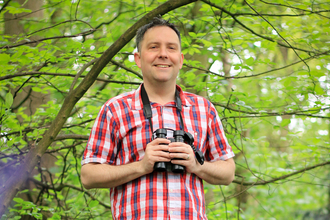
{"x": 169, "y": 43}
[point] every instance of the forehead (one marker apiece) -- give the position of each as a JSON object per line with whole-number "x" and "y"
{"x": 160, "y": 34}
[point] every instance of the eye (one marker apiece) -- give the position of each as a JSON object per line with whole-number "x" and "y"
{"x": 153, "y": 46}
{"x": 172, "y": 47}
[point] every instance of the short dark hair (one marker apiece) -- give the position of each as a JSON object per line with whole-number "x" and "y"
{"x": 156, "y": 21}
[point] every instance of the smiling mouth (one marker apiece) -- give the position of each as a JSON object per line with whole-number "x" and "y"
{"x": 162, "y": 66}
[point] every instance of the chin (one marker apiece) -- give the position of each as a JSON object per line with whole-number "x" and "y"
{"x": 163, "y": 80}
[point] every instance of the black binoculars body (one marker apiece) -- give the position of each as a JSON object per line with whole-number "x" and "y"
{"x": 178, "y": 136}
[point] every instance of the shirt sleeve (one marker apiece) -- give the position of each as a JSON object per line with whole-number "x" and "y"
{"x": 219, "y": 148}
{"x": 102, "y": 142}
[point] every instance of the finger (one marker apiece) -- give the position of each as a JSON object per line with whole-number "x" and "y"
{"x": 157, "y": 145}
{"x": 159, "y": 141}
{"x": 157, "y": 151}
{"x": 182, "y": 156}
{"x": 162, "y": 159}
{"x": 179, "y": 144}
{"x": 163, "y": 154}
{"x": 180, "y": 149}
{"x": 160, "y": 148}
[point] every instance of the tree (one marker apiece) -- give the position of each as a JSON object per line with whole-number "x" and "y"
{"x": 267, "y": 72}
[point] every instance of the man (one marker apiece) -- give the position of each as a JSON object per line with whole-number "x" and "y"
{"x": 121, "y": 152}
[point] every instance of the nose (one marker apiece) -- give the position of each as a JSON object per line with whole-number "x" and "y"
{"x": 162, "y": 53}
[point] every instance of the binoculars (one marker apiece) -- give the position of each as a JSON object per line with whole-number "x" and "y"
{"x": 178, "y": 136}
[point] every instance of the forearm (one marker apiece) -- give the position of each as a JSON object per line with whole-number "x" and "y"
{"x": 218, "y": 172}
{"x": 94, "y": 175}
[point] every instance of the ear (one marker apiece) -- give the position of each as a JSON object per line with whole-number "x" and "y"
{"x": 137, "y": 59}
{"x": 181, "y": 60}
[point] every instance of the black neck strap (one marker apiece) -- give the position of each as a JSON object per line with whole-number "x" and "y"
{"x": 147, "y": 107}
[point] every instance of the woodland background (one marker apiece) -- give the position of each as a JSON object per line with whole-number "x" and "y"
{"x": 264, "y": 65}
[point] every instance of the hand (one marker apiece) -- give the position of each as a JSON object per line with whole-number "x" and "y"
{"x": 183, "y": 154}
{"x": 156, "y": 151}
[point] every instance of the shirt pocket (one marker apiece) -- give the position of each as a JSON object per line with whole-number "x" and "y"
{"x": 134, "y": 141}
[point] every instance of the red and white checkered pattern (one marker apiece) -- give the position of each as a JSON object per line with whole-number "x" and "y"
{"x": 120, "y": 135}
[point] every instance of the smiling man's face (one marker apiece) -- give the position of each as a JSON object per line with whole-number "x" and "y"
{"x": 160, "y": 57}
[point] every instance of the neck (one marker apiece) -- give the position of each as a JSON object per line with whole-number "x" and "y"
{"x": 160, "y": 94}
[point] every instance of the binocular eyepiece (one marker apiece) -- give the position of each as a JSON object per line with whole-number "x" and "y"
{"x": 178, "y": 136}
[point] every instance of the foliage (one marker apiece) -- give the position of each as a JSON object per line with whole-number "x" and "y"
{"x": 264, "y": 65}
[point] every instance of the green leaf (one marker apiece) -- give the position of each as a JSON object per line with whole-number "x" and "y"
{"x": 4, "y": 58}
{"x": 37, "y": 89}
{"x": 18, "y": 200}
{"x": 9, "y": 100}
{"x": 237, "y": 67}
{"x": 285, "y": 122}
{"x": 192, "y": 34}
{"x": 93, "y": 203}
{"x": 319, "y": 90}
{"x": 238, "y": 42}
{"x": 249, "y": 61}
{"x": 56, "y": 216}
{"x": 17, "y": 10}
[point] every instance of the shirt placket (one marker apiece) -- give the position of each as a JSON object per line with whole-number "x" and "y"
{"x": 173, "y": 179}
{"x": 174, "y": 199}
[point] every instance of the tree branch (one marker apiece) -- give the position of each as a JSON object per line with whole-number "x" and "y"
{"x": 295, "y": 8}
{"x": 285, "y": 15}
{"x": 47, "y": 38}
{"x": 127, "y": 69}
{"x": 264, "y": 182}
{"x": 64, "y": 148}
{"x": 252, "y": 31}
{"x": 80, "y": 72}
{"x": 37, "y": 74}
{"x": 63, "y": 22}
{"x": 268, "y": 114}
{"x": 71, "y": 136}
{"x": 34, "y": 128}
{"x": 62, "y": 186}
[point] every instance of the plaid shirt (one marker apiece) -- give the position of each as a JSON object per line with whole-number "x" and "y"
{"x": 120, "y": 135}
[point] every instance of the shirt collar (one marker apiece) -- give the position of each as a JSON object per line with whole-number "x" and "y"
{"x": 137, "y": 101}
